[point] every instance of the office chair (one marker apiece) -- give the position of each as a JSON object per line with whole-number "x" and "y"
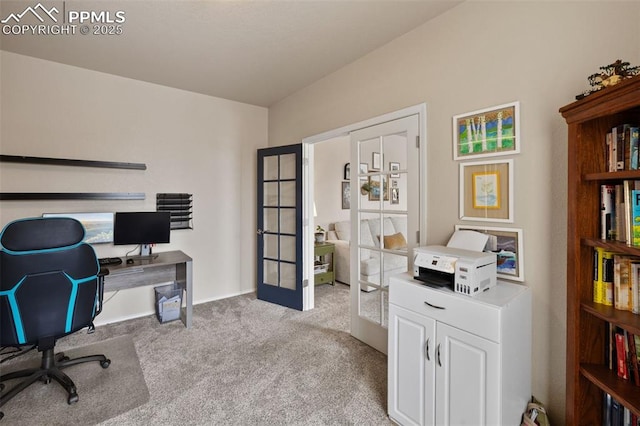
{"x": 50, "y": 286}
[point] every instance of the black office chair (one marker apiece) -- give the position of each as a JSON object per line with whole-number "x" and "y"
{"x": 50, "y": 286}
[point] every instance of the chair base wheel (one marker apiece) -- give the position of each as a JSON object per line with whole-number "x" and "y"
{"x": 105, "y": 364}
{"x": 73, "y": 398}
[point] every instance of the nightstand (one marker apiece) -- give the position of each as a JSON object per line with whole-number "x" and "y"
{"x": 323, "y": 264}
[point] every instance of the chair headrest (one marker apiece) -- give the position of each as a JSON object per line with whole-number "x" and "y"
{"x": 41, "y": 233}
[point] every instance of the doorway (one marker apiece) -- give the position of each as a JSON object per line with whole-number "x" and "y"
{"x": 368, "y": 325}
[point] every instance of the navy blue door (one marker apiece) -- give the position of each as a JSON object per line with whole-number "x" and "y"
{"x": 280, "y": 225}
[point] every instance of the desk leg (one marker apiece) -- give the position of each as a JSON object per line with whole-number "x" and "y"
{"x": 189, "y": 283}
{"x": 184, "y": 273}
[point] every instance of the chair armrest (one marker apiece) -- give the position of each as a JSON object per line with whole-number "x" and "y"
{"x": 103, "y": 272}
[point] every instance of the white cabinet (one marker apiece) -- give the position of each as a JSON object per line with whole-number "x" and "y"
{"x": 457, "y": 360}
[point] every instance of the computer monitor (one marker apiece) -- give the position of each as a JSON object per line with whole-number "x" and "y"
{"x": 144, "y": 228}
{"x": 98, "y": 226}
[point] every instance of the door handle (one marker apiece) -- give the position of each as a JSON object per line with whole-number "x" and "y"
{"x": 260, "y": 231}
{"x": 426, "y": 350}
{"x": 434, "y": 306}
{"x": 438, "y": 356}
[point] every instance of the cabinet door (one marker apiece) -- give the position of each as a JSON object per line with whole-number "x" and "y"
{"x": 411, "y": 367}
{"x": 467, "y": 377}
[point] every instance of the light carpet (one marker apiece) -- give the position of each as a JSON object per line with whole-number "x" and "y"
{"x": 103, "y": 392}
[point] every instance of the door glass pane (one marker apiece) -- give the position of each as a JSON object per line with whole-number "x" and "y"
{"x": 287, "y": 248}
{"x": 271, "y": 193}
{"x": 271, "y": 273}
{"x": 288, "y": 278}
{"x": 288, "y": 221}
{"x": 271, "y": 220}
{"x": 271, "y": 167}
{"x": 287, "y": 194}
{"x": 370, "y": 305}
{"x": 270, "y": 246}
{"x": 288, "y": 166}
{"x": 395, "y": 152}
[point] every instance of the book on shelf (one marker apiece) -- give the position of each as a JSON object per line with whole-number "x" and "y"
{"x": 621, "y": 356}
{"x": 620, "y": 212}
{"x": 622, "y": 282}
{"x": 607, "y": 214}
{"x": 622, "y": 148}
{"x": 633, "y": 358}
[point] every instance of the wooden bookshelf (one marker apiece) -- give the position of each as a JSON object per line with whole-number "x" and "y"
{"x": 588, "y": 121}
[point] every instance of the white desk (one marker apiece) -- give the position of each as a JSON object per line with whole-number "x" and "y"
{"x": 170, "y": 266}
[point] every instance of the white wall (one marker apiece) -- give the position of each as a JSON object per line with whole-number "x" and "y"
{"x": 329, "y": 158}
{"x": 190, "y": 143}
{"x": 474, "y": 56}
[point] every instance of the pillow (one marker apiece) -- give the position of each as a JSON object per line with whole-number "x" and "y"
{"x": 395, "y": 241}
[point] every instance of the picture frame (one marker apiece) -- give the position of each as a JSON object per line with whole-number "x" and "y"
{"x": 394, "y": 167}
{"x": 376, "y": 160}
{"x": 395, "y": 195}
{"x": 375, "y": 190}
{"x": 347, "y": 172}
{"x": 486, "y": 191}
{"x": 346, "y": 195}
{"x": 508, "y": 245}
{"x": 487, "y": 132}
{"x": 364, "y": 169}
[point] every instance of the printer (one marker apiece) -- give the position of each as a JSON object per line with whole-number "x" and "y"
{"x": 464, "y": 271}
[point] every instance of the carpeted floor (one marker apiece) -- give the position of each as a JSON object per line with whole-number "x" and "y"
{"x": 245, "y": 361}
{"x": 123, "y": 381}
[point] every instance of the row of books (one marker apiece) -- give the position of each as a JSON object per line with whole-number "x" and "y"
{"x": 621, "y": 148}
{"x": 622, "y": 353}
{"x": 620, "y": 212}
{"x": 616, "y": 414}
{"x": 616, "y": 280}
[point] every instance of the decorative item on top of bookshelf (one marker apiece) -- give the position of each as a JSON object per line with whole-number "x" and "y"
{"x": 486, "y": 191}
{"x": 609, "y": 75}
{"x": 487, "y": 132}
{"x": 181, "y": 207}
{"x": 508, "y": 245}
{"x": 347, "y": 171}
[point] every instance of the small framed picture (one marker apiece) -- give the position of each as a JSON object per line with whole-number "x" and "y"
{"x": 394, "y": 167}
{"x": 487, "y": 132}
{"x": 508, "y": 246}
{"x": 376, "y": 161}
{"x": 395, "y": 195}
{"x": 376, "y": 189}
{"x": 347, "y": 171}
{"x": 346, "y": 195}
{"x": 486, "y": 191}
{"x": 364, "y": 169}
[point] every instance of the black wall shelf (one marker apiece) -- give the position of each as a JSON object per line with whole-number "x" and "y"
{"x": 24, "y": 196}
{"x": 71, "y": 162}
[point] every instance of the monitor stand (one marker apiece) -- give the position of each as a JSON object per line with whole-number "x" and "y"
{"x": 145, "y": 252}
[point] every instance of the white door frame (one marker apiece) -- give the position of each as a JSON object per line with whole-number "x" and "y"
{"x": 308, "y": 179}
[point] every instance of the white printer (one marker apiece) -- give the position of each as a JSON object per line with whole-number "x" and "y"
{"x": 465, "y": 271}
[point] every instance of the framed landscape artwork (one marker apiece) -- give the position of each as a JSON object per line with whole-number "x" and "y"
{"x": 486, "y": 191}
{"x": 487, "y": 132}
{"x": 507, "y": 244}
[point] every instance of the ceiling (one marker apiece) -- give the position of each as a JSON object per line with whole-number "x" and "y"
{"x": 257, "y": 52}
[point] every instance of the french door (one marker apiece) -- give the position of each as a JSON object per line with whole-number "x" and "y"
{"x": 279, "y": 226}
{"x": 385, "y": 207}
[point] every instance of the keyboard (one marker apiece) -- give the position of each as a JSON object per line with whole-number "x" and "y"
{"x": 107, "y": 261}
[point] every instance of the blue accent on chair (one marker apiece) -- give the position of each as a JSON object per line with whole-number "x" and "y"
{"x": 50, "y": 286}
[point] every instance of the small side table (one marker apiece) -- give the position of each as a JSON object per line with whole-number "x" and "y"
{"x": 323, "y": 253}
